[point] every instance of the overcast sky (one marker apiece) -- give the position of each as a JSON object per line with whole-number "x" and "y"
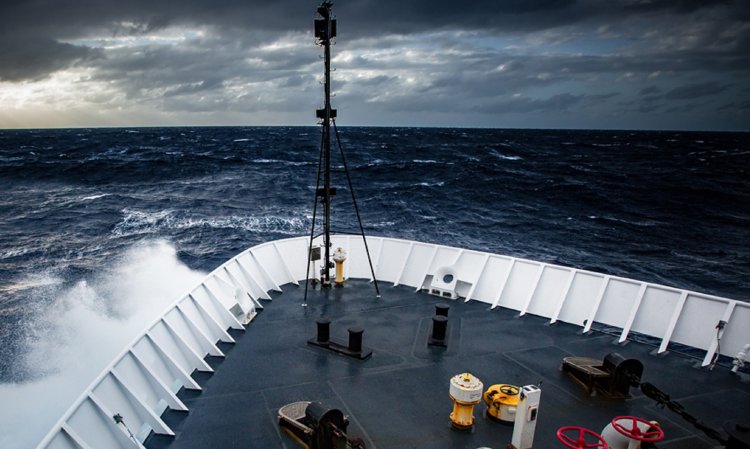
{"x": 635, "y": 64}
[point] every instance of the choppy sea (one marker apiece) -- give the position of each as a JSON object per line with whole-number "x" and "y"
{"x": 100, "y": 229}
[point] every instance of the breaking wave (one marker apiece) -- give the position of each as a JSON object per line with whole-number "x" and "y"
{"x": 91, "y": 320}
{"x": 136, "y": 222}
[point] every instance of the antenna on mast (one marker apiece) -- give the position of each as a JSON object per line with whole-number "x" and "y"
{"x": 325, "y": 32}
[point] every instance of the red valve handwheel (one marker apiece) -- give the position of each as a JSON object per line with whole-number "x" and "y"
{"x": 580, "y": 443}
{"x": 654, "y": 433}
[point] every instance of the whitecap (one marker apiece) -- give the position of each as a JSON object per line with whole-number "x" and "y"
{"x": 261, "y": 224}
{"x": 30, "y": 282}
{"x": 279, "y": 161}
{"x": 15, "y": 252}
{"x": 383, "y": 224}
{"x": 505, "y": 156}
{"x": 94, "y": 197}
{"x": 140, "y": 222}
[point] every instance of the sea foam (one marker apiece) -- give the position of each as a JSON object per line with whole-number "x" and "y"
{"x": 80, "y": 329}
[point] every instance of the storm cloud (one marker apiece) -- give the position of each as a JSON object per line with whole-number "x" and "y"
{"x": 543, "y": 63}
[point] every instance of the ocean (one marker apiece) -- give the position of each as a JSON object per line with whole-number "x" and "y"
{"x": 100, "y": 229}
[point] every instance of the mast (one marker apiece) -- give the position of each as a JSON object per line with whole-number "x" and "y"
{"x": 325, "y": 31}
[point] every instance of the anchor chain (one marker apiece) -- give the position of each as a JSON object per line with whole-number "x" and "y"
{"x": 662, "y": 399}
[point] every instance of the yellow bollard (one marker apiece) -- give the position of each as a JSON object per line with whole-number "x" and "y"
{"x": 466, "y": 392}
{"x": 339, "y": 256}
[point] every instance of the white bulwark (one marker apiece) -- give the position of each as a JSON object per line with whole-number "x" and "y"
{"x": 144, "y": 379}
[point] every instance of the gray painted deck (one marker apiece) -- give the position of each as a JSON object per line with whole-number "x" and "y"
{"x": 399, "y": 397}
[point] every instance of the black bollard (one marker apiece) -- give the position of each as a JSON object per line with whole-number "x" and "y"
{"x": 442, "y": 309}
{"x": 439, "y": 331}
{"x": 324, "y": 330}
{"x": 355, "y": 339}
{"x": 353, "y": 349}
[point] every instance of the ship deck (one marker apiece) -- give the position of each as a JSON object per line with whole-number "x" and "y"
{"x": 398, "y": 398}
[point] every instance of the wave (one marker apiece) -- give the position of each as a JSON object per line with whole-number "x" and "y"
{"x": 94, "y": 197}
{"x": 34, "y": 281}
{"x": 16, "y": 252}
{"x": 505, "y": 156}
{"x": 282, "y": 162}
{"x": 142, "y": 222}
{"x": 272, "y": 224}
{"x": 96, "y": 317}
{"x": 429, "y": 184}
{"x": 137, "y": 222}
{"x": 639, "y": 223}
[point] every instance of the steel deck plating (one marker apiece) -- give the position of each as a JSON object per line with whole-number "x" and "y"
{"x": 399, "y": 397}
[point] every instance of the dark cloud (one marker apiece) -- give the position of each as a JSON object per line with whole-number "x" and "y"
{"x": 649, "y": 90}
{"x": 418, "y": 57}
{"x": 696, "y": 90}
{"x": 53, "y": 22}
{"x": 744, "y": 106}
{"x": 560, "y": 103}
{"x": 35, "y": 57}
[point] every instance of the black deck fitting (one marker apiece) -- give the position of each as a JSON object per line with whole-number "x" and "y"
{"x": 439, "y": 335}
{"x": 739, "y": 435}
{"x": 324, "y": 330}
{"x": 354, "y": 347}
{"x": 442, "y": 309}
{"x": 611, "y": 377}
{"x": 355, "y": 339}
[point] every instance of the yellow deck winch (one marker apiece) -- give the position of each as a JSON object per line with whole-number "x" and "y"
{"x": 502, "y": 401}
{"x": 466, "y": 392}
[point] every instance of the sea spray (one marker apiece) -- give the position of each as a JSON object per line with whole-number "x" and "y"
{"x": 81, "y": 330}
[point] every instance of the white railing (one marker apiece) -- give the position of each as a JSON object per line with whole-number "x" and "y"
{"x": 144, "y": 379}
